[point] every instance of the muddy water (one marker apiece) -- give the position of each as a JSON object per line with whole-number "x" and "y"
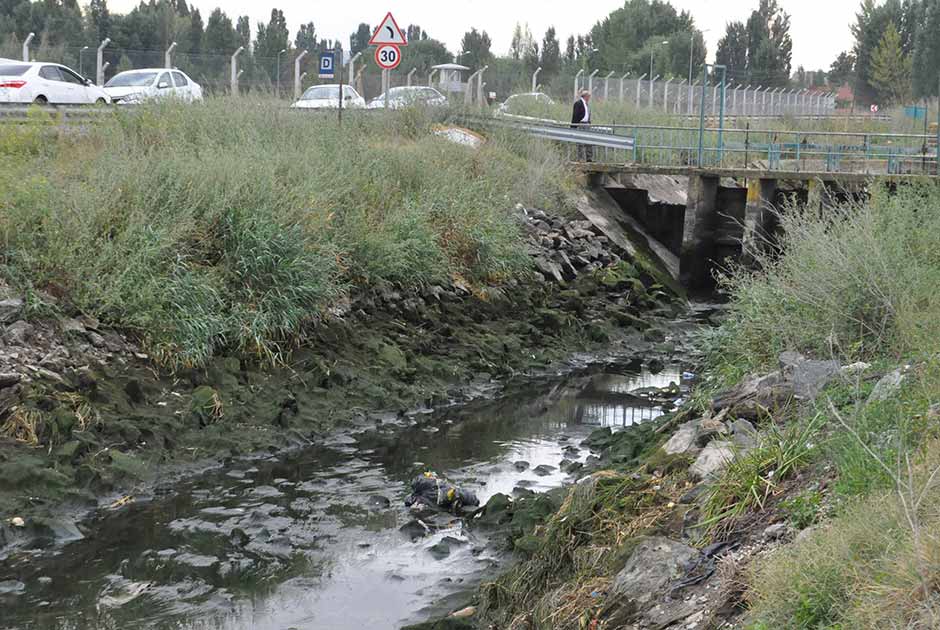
{"x": 321, "y": 539}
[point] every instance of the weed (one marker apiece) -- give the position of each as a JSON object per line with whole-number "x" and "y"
{"x": 803, "y": 509}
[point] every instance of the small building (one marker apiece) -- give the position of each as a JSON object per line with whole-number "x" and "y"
{"x": 845, "y": 97}
{"x": 450, "y": 77}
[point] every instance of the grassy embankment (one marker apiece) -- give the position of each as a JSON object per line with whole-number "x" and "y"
{"x": 232, "y": 225}
{"x": 857, "y": 284}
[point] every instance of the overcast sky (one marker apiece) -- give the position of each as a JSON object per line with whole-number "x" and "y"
{"x": 820, "y": 28}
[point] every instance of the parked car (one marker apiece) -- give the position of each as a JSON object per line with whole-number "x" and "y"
{"x": 525, "y": 103}
{"x": 136, "y": 86}
{"x": 327, "y": 97}
{"x": 42, "y": 83}
{"x": 400, "y": 97}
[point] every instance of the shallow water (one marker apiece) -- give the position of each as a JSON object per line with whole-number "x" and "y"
{"x": 313, "y": 540}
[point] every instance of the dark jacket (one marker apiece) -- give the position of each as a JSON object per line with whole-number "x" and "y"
{"x": 578, "y": 114}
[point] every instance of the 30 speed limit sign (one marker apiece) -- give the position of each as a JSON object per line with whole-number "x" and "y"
{"x": 388, "y": 56}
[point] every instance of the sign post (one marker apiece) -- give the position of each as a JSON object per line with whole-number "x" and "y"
{"x": 388, "y": 39}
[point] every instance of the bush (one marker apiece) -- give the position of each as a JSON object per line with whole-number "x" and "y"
{"x": 858, "y": 281}
{"x": 235, "y": 223}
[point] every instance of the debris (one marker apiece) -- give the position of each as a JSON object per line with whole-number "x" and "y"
{"x": 17, "y": 521}
{"x": 429, "y": 490}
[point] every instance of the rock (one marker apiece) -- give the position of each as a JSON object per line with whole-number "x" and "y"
{"x": 96, "y": 340}
{"x": 497, "y": 511}
{"x": 709, "y": 429}
{"x": 550, "y": 270}
{"x": 683, "y": 440}
{"x": 10, "y": 309}
{"x": 775, "y": 531}
{"x": 378, "y": 502}
{"x": 889, "y": 385}
{"x": 18, "y": 333}
{"x": 755, "y": 395}
{"x": 521, "y": 466}
{"x": 654, "y": 563}
{"x": 12, "y": 587}
{"x": 544, "y": 470}
{"x": 70, "y": 325}
{"x": 415, "y": 530}
{"x": 567, "y": 268}
{"x": 17, "y": 521}
{"x": 9, "y": 379}
{"x": 712, "y": 459}
{"x": 744, "y": 434}
{"x": 655, "y": 366}
{"x": 808, "y": 377}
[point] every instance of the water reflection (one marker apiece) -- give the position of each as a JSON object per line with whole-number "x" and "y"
{"x": 312, "y": 540}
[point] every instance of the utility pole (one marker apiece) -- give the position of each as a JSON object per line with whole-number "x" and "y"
{"x": 277, "y": 90}
{"x": 99, "y": 72}
{"x": 168, "y": 57}
{"x": 535, "y": 79}
{"x": 234, "y": 66}
{"x": 29, "y": 39}
{"x": 297, "y": 78}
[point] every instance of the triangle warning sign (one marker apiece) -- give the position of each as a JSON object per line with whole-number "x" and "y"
{"x": 388, "y": 33}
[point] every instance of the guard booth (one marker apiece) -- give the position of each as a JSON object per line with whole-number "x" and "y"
{"x": 450, "y": 78}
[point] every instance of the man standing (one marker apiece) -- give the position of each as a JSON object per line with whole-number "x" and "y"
{"x": 581, "y": 119}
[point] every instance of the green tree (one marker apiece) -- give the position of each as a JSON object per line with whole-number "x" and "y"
{"x": 732, "y": 49}
{"x": 423, "y": 54}
{"x": 926, "y": 60}
{"x": 769, "y": 48}
{"x": 476, "y": 47}
{"x": 891, "y": 69}
{"x": 570, "y": 54}
{"x": 842, "y": 70}
{"x": 196, "y": 31}
{"x": 869, "y": 28}
{"x": 359, "y": 40}
{"x": 220, "y": 37}
{"x": 99, "y": 19}
{"x": 551, "y": 54}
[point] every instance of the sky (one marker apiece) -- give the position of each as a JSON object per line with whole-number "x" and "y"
{"x": 820, "y": 28}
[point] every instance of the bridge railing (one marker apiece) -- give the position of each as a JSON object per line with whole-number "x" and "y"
{"x": 753, "y": 149}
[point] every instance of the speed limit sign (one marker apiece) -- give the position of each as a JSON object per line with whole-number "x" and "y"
{"x": 388, "y": 56}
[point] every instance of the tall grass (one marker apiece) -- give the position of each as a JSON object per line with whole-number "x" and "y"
{"x": 235, "y": 223}
{"x": 857, "y": 281}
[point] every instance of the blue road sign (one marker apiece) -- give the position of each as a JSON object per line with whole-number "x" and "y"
{"x": 327, "y": 65}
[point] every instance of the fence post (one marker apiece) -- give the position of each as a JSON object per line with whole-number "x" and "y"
{"x": 577, "y": 83}
{"x": 431, "y": 77}
{"x": 29, "y": 38}
{"x": 535, "y": 79}
{"x": 168, "y": 56}
{"x": 639, "y": 89}
{"x": 692, "y": 96}
{"x": 352, "y": 67}
{"x": 480, "y": 85}
{"x": 235, "y": 70}
{"x": 99, "y": 72}
{"x": 621, "y": 85}
{"x": 666, "y": 96}
{"x": 411, "y": 74}
{"x": 653, "y": 81}
{"x": 607, "y": 84}
{"x": 591, "y": 82}
{"x": 297, "y": 79}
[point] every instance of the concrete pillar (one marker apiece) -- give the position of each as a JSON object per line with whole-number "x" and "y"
{"x": 698, "y": 233}
{"x": 758, "y": 218}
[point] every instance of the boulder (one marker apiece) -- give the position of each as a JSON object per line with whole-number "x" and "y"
{"x": 10, "y": 309}
{"x": 744, "y": 434}
{"x": 889, "y": 385}
{"x": 18, "y": 333}
{"x": 712, "y": 459}
{"x": 654, "y": 563}
{"x": 754, "y": 395}
{"x": 684, "y": 440}
{"x": 808, "y": 376}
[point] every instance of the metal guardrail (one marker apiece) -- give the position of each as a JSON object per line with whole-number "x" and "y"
{"x": 59, "y": 113}
{"x": 750, "y": 149}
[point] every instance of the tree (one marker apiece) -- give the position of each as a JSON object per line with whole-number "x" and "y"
{"x": 196, "y": 31}
{"x": 306, "y": 38}
{"x": 415, "y": 33}
{"x": 570, "y": 50}
{"x": 522, "y": 43}
{"x": 891, "y": 68}
{"x": 769, "y": 46}
{"x": 551, "y": 54}
{"x": 926, "y": 60}
{"x": 359, "y": 40}
{"x": 732, "y": 49}
{"x": 842, "y": 70}
{"x": 869, "y": 28}
{"x": 424, "y": 53}
{"x": 476, "y": 48}
{"x": 99, "y": 18}
{"x": 220, "y": 37}
{"x": 270, "y": 40}
{"x": 243, "y": 29}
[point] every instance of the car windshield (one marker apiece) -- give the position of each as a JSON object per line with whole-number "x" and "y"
{"x": 323, "y": 92}
{"x": 13, "y": 71}
{"x": 132, "y": 79}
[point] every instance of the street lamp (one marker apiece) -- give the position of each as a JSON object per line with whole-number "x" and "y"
{"x": 81, "y": 65}
{"x": 278, "y": 89}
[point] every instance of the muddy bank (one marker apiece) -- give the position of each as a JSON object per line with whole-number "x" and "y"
{"x": 87, "y": 419}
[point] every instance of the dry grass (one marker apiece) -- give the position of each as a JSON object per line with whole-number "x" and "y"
{"x": 23, "y": 425}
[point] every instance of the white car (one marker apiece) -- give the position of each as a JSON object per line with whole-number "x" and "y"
{"x": 47, "y": 83}
{"x": 525, "y": 101}
{"x": 401, "y": 97}
{"x": 327, "y": 97}
{"x": 136, "y": 86}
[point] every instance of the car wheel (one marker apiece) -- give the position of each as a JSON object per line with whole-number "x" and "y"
{"x": 41, "y": 100}
{"x": 101, "y": 101}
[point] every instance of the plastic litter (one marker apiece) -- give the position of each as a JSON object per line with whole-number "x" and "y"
{"x": 430, "y": 490}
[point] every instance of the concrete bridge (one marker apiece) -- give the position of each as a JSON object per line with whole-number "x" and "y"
{"x": 690, "y": 221}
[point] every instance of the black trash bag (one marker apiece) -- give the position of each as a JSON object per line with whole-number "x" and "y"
{"x": 431, "y": 491}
